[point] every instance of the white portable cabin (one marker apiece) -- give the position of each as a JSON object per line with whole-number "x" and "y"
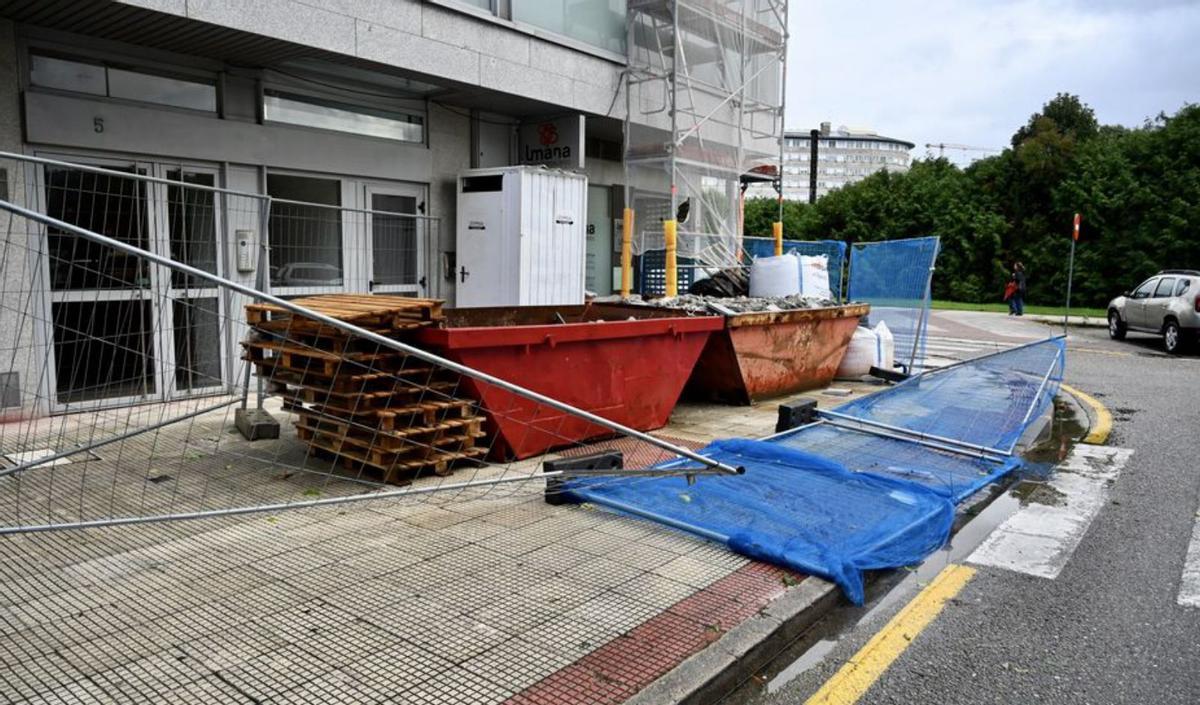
{"x": 521, "y": 237}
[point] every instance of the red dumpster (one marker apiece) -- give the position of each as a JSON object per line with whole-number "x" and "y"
{"x": 762, "y": 355}
{"x": 627, "y": 364}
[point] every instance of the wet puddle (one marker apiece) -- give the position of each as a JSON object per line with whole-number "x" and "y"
{"x": 976, "y": 520}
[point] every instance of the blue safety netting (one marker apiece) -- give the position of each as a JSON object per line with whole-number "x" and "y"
{"x": 893, "y": 276}
{"x": 835, "y": 250}
{"x": 792, "y": 508}
{"x": 955, "y": 476}
{"x": 867, "y": 487}
{"x": 989, "y": 401}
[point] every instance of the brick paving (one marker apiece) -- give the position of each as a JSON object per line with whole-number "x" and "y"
{"x": 471, "y": 599}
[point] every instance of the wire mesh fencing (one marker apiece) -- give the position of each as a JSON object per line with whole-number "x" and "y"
{"x": 985, "y": 403}
{"x": 894, "y": 276}
{"x": 133, "y": 351}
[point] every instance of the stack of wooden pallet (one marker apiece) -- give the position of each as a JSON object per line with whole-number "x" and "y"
{"x": 363, "y": 403}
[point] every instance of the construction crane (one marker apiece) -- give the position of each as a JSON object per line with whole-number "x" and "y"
{"x": 943, "y": 146}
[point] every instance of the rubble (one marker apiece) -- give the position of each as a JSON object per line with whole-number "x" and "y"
{"x": 694, "y": 303}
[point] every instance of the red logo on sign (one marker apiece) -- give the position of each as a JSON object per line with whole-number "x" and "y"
{"x": 547, "y": 133}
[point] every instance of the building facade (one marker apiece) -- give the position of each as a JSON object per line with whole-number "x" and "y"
{"x": 844, "y": 156}
{"x": 335, "y": 110}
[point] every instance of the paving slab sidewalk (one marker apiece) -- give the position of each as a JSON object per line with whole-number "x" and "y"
{"x": 475, "y": 599}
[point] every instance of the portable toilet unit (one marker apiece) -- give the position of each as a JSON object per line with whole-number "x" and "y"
{"x": 521, "y": 237}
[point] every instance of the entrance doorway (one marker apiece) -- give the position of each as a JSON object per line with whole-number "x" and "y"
{"x": 120, "y": 330}
{"x": 397, "y": 242}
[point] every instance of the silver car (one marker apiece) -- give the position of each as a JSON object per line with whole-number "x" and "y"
{"x": 1166, "y": 304}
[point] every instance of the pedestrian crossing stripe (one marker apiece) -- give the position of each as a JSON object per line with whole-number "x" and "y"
{"x": 1039, "y": 539}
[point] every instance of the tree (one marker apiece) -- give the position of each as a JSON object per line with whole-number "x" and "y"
{"x": 1137, "y": 189}
{"x": 1070, "y": 116}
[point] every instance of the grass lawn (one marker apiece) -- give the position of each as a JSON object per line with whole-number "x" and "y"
{"x": 1029, "y": 309}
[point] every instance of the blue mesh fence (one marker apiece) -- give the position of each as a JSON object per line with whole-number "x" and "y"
{"x": 791, "y": 508}
{"x": 953, "y": 475}
{"x": 869, "y": 486}
{"x": 893, "y": 276}
{"x": 988, "y": 401}
{"x": 835, "y": 250}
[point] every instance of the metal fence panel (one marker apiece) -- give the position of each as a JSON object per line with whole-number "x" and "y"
{"x": 894, "y": 277}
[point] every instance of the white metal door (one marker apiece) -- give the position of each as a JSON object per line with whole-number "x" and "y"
{"x": 190, "y": 330}
{"x": 484, "y": 276}
{"x": 396, "y": 252}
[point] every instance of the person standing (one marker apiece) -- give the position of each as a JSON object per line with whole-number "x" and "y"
{"x": 1016, "y": 284}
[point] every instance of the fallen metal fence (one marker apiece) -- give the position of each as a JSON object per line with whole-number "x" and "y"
{"x": 128, "y": 349}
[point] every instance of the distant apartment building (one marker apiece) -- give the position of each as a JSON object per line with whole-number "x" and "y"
{"x": 844, "y": 156}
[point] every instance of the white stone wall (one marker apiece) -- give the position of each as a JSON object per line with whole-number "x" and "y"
{"x": 426, "y": 38}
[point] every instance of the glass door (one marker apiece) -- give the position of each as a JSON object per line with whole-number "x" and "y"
{"x": 102, "y": 349}
{"x": 190, "y": 330}
{"x": 397, "y": 250}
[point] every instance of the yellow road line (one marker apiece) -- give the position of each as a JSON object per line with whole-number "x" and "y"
{"x": 1102, "y": 421}
{"x": 853, "y": 680}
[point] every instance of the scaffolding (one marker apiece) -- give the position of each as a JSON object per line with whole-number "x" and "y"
{"x": 704, "y": 93}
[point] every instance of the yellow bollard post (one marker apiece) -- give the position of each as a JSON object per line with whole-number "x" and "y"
{"x": 777, "y": 231}
{"x": 669, "y": 230}
{"x": 626, "y": 253}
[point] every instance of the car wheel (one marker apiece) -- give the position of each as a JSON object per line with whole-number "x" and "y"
{"x": 1116, "y": 328}
{"x": 1172, "y": 337}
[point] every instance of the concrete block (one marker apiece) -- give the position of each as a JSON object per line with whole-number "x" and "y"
{"x": 796, "y": 413}
{"x": 255, "y": 424}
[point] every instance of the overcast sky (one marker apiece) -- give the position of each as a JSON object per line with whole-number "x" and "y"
{"x": 972, "y": 71}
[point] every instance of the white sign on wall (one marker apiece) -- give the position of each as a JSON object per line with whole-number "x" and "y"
{"x": 557, "y": 143}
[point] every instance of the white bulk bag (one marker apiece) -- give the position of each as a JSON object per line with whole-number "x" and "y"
{"x": 814, "y": 276}
{"x": 885, "y": 347}
{"x": 860, "y": 355}
{"x": 775, "y": 276}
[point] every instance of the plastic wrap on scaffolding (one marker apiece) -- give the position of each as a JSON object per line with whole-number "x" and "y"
{"x": 704, "y": 106}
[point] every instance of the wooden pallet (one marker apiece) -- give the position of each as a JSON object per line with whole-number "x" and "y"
{"x": 448, "y": 450}
{"x": 407, "y": 438}
{"x": 305, "y": 360}
{"x": 365, "y": 406}
{"x": 357, "y": 403}
{"x": 363, "y": 310}
{"x": 392, "y": 418}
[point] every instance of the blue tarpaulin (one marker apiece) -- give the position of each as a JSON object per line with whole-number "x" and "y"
{"x": 865, "y": 489}
{"x": 792, "y": 508}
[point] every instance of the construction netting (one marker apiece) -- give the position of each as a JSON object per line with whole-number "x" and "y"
{"x": 986, "y": 403}
{"x": 870, "y": 485}
{"x": 894, "y": 277}
{"x": 793, "y": 508}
